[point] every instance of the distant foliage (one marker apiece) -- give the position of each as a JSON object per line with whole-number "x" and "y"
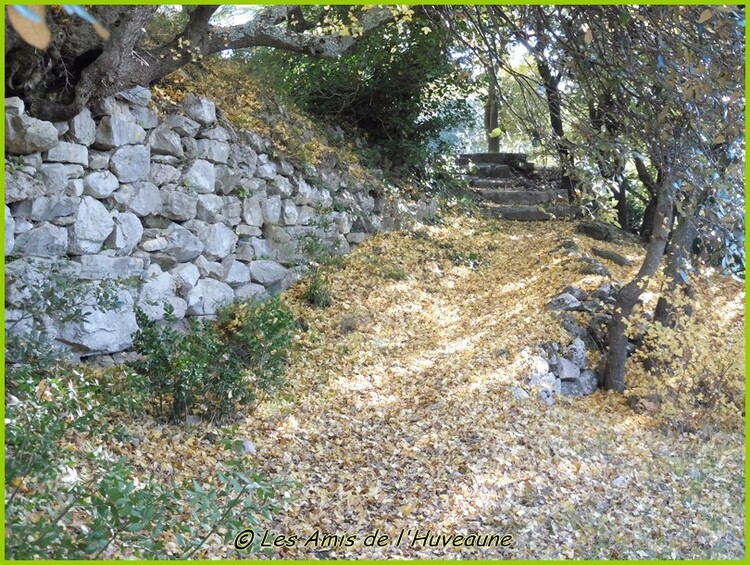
{"x": 399, "y": 86}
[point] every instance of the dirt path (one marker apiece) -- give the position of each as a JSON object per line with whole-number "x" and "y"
{"x": 400, "y": 418}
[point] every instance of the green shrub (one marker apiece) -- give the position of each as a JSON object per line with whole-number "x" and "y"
{"x": 318, "y": 293}
{"x": 258, "y": 336}
{"x": 402, "y": 89}
{"x": 214, "y": 366}
{"x": 67, "y": 502}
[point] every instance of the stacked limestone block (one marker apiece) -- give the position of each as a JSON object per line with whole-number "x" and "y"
{"x": 186, "y": 210}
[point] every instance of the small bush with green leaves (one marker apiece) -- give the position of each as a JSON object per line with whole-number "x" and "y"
{"x": 214, "y": 367}
{"x": 258, "y": 336}
{"x": 318, "y": 293}
{"x": 64, "y": 502}
{"x": 68, "y": 503}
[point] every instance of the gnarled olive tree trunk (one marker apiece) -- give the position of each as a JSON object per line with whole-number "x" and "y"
{"x": 79, "y": 67}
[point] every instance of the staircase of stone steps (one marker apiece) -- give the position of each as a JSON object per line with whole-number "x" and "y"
{"x": 512, "y": 188}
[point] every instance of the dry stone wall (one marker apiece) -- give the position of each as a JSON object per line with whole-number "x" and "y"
{"x": 183, "y": 210}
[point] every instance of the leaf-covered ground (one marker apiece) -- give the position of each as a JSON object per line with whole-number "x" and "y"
{"x": 399, "y": 415}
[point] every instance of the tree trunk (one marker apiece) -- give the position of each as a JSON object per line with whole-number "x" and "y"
{"x": 552, "y": 92}
{"x": 647, "y": 223}
{"x": 676, "y": 269}
{"x": 490, "y": 114}
{"x": 621, "y": 196}
{"x": 78, "y": 67}
{"x": 613, "y": 376}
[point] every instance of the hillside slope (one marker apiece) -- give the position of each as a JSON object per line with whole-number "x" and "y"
{"x": 399, "y": 413}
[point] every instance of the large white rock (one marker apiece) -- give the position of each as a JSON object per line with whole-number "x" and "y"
{"x": 577, "y": 353}
{"x": 305, "y": 193}
{"x": 162, "y": 174}
{"x": 271, "y": 210}
{"x": 266, "y": 171}
{"x": 103, "y": 332}
{"x": 209, "y": 269}
{"x": 145, "y": 117}
{"x": 100, "y": 266}
{"x": 116, "y": 131}
{"x": 177, "y": 205}
{"x": 289, "y": 213}
{"x": 14, "y": 106}
{"x": 182, "y": 245}
{"x": 65, "y": 152}
{"x": 186, "y": 276}
{"x": 10, "y": 226}
{"x": 245, "y": 157}
{"x": 141, "y": 198}
{"x": 164, "y": 141}
{"x": 99, "y": 160}
{"x": 131, "y": 163}
{"x": 200, "y": 108}
{"x": 126, "y": 234}
{"x": 214, "y": 151}
{"x": 183, "y": 125}
{"x": 45, "y": 240}
{"x": 232, "y": 210}
{"x": 226, "y": 179}
{"x": 201, "y": 177}
{"x": 252, "y": 213}
{"x": 235, "y": 272}
{"x": 24, "y": 134}
{"x": 566, "y": 370}
{"x": 210, "y": 207}
{"x": 217, "y": 133}
{"x": 159, "y": 288}
{"x": 267, "y": 272}
{"x": 208, "y": 296}
{"x": 252, "y": 291}
{"x": 137, "y": 95}
{"x": 100, "y": 184}
{"x": 218, "y": 241}
{"x": 20, "y": 186}
{"x": 92, "y": 227}
{"x": 57, "y": 176}
{"x": 281, "y": 186}
{"x": 82, "y": 128}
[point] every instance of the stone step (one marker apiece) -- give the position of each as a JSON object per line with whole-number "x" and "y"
{"x": 525, "y": 197}
{"x": 510, "y": 159}
{"x": 494, "y": 171}
{"x": 534, "y": 213}
{"x": 517, "y": 183}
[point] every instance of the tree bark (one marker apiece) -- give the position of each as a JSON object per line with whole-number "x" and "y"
{"x": 678, "y": 257}
{"x": 552, "y": 93}
{"x": 125, "y": 62}
{"x": 490, "y": 114}
{"x": 647, "y": 223}
{"x": 613, "y": 375}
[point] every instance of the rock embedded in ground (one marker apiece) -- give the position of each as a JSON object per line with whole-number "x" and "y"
{"x": 567, "y": 370}
{"x": 612, "y": 256}
{"x": 597, "y": 230}
{"x": 576, "y": 353}
{"x": 564, "y": 301}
